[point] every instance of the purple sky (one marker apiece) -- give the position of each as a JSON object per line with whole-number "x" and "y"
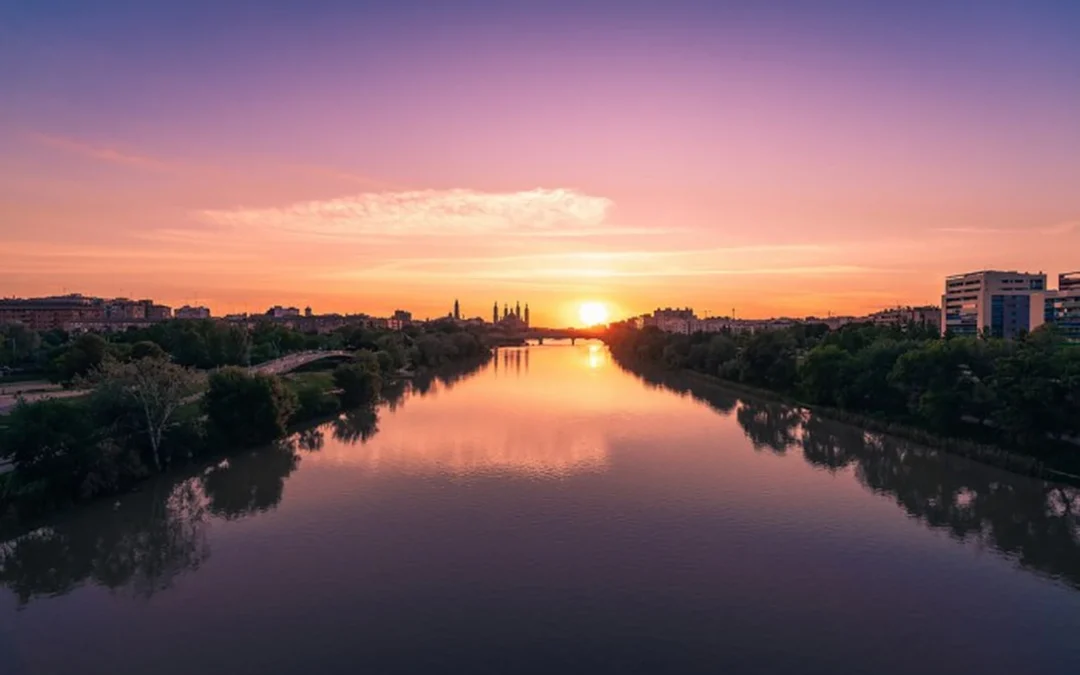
{"x": 797, "y": 158}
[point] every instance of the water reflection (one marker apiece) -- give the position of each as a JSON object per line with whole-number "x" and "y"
{"x": 1035, "y": 523}
{"x": 143, "y": 541}
{"x": 251, "y": 482}
{"x": 356, "y": 426}
{"x": 492, "y": 425}
{"x": 769, "y": 425}
{"x": 142, "y": 546}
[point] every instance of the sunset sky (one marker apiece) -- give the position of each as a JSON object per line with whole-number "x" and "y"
{"x": 777, "y": 158}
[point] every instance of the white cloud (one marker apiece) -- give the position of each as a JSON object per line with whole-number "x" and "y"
{"x": 457, "y": 212}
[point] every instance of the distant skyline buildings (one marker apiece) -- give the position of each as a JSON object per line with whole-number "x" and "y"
{"x": 1009, "y": 303}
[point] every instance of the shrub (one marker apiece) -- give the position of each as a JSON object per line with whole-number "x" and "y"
{"x": 247, "y": 409}
{"x": 359, "y": 385}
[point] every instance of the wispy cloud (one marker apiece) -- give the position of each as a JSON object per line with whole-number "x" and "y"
{"x": 103, "y": 153}
{"x": 1060, "y": 228}
{"x": 117, "y": 154}
{"x": 538, "y": 212}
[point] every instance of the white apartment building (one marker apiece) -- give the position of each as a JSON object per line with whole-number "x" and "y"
{"x": 1005, "y": 303}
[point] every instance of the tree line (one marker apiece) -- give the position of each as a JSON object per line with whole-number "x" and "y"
{"x": 147, "y": 410}
{"x": 1023, "y": 393}
{"x": 205, "y": 343}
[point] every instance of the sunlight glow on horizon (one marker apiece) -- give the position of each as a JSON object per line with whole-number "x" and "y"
{"x": 593, "y": 313}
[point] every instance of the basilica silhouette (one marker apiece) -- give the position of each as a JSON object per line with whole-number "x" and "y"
{"x": 511, "y": 317}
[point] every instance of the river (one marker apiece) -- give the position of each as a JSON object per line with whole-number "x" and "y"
{"x": 554, "y": 513}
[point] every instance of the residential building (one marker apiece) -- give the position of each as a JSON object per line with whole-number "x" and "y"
{"x": 927, "y": 315}
{"x": 188, "y": 312}
{"x": 79, "y": 312}
{"x": 402, "y": 316}
{"x": 279, "y": 312}
{"x": 673, "y": 320}
{"x": 1069, "y": 281}
{"x": 56, "y": 312}
{"x": 1004, "y": 303}
{"x": 158, "y": 312}
{"x": 1062, "y": 307}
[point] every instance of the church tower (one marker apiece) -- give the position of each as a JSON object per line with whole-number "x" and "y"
{"x": 526, "y": 319}
{"x": 457, "y": 310}
{"x": 495, "y": 313}
{"x": 506, "y": 310}
{"x": 517, "y": 309}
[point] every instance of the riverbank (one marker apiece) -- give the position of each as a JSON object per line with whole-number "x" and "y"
{"x": 315, "y": 396}
{"x": 1009, "y": 460}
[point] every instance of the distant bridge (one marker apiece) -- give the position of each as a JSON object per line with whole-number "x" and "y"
{"x": 541, "y": 334}
{"x": 291, "y": 362}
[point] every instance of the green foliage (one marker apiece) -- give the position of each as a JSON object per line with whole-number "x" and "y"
{"x": 767, "y": 359}
{"x": 60, "y": 445}
{"x": 825, "y": 373}
{"x": 146, "y": 395}
{"x": 436, "y": 349}
{"x": 359, "y": 382}
{"x": 367, "y": 360}
{"x": 1027, "y": 390}
{"x": 394, "y": 346}
{"x": 386, "y": 362}
{"x": 247, "y": 409}
{"x": 199, "y": 343}
{"x": 48, "y": 438}
{"x": 147, "y": 350}
{"x": 18, "y": 345}
{"x": 85, "y": 353}
{"x": 314, "y": 402}
{"x": 145, "y": 409}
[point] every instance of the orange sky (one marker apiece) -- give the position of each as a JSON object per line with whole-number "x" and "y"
{"x": 775, "y": 167}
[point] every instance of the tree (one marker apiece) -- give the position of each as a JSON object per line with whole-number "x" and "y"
{"x": 155, "y": 387}
{"x": 825, "y": 373}
{"x": 247, "y": 409}
{"x": 359, "y": 383}
{"x": 84, "y": 355}
{"x": 18, "y": 344}
{"x": 49, "y": 440}
{"x": 768, "y": 359}
{"x": 721, "y": 350}
{"x": 147, "y": 350}
{"x": 314, "y": 402}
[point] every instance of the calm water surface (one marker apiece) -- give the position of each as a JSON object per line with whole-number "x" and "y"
{"x": 552, "y": 513}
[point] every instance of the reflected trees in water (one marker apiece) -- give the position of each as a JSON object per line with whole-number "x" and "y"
{"x": 141, "y": 546}
{"x": 770, "y": 425}
{"x": 1035, "y": 523}
{"x": 356, "y": 426}
{"x": 252, "y": 482}
{"x": 143, "y": 542}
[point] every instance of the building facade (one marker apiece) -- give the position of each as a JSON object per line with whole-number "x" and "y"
{"x": 1005, "y": 304}
{"x": 188, "y": 312}
{"x": 927, "y": 315}
{"x": 279, "y": 312}
{"x": 1062, "y": 307}
{"x": 80, "y": 312}
{"x": 50, "y": 313}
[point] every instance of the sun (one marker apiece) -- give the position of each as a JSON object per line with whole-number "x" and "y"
{"x": 593, "y": 313}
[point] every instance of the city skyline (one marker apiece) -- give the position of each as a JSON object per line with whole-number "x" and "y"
{"x": 365, "y": 157}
